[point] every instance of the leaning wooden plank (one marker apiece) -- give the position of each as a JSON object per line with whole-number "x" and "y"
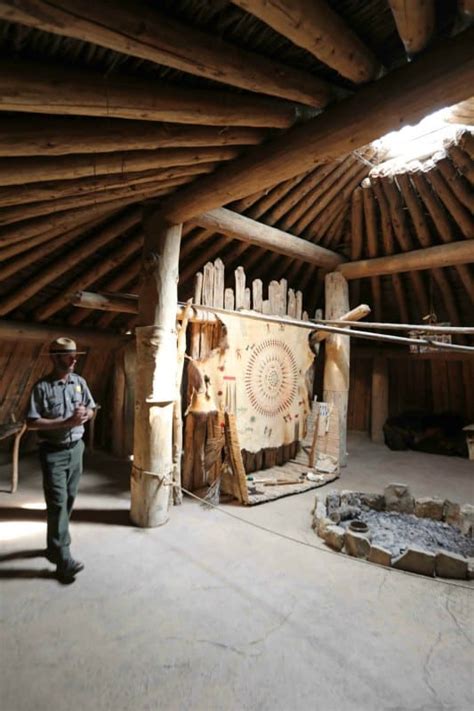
{"x": 235, "y": 455}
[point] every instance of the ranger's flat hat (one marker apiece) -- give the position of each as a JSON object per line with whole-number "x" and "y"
{"x": 63, "y": 346}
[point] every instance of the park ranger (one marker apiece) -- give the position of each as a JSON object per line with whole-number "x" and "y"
{"x": 60, "y": 405}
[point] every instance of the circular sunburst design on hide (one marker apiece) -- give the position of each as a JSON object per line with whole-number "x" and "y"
{"x": 271, "y": 377}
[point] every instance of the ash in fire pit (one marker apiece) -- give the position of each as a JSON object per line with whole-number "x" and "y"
{"x": 427, "y": 536}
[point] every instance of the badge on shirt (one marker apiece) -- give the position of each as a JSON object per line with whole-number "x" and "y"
{"x": 78, "y": 389}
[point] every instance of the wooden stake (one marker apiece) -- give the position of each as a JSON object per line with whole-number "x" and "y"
{"x": 336, "y": 366}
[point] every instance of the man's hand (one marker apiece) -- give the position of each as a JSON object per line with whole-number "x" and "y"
{"x": 79, "y": 417}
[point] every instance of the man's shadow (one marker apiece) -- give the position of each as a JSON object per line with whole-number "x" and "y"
{"x": 25, "y": 573}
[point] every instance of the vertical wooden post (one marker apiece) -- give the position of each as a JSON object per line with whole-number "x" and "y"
{"x": 336, "y": 366}
{"x": 379, "y": 407}
{"x": 152, "y": 471}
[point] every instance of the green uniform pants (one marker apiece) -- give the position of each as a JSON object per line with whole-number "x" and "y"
{"x": 62, "y": 471}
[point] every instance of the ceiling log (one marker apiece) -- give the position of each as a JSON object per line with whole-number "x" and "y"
{"x": 415, "y": 21}
{"x": 134, "y": 28}
{"x": 47, "y": 89}
{"x": 313, "y": 25}
{"x": 89, "y": 276}
{"x": 245, "y": 230}
{"x": 443, "y": 255}
{"x": 62, "y": 263}
{"x": 20, "y": 331}
{"x": 18, "y": 171}
{"x": 50, "y": 136}
{"x": 371, "y": 229}
{"x": 54, "y": 190}
{"x": 438, "y": 78}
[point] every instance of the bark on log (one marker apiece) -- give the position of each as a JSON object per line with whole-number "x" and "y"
{"x": 444, "y": 255}
{"x": 337, "y": 360}
{"x": 313, "y": 25}
{"x": 439, "y": 78}
{"x": 416, "y": 23}
{"x": 256, "y": 233}
{"x": 134, "y": 28}
{"x": 50, "y": 136}
{"x": 152, "y": 472}
{"x": 50, "y": 90}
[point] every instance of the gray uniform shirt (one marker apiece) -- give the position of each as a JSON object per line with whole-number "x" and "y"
{"x": 51, "y": 398}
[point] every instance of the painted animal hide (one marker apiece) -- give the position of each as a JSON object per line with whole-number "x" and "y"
{"x": 258, "y": 374}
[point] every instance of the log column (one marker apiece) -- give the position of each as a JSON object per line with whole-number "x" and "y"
{"x": 336, "y": 366}
{"x": 379, "y": 400}
{"x": 152, "y": 472}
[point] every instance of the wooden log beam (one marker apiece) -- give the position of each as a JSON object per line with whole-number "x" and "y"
{"x": 313, "y": 25}
{"x": 462, "y": 161}
{"x": 103, "y": 301}
{"x": 437, "y": 79}
{"x": 59, "y": 265}
{"x": 134, "y": 28}
{"x": 123, "y": 280}
{"x": 403, "y": 235}
{"x": 444, "y": 255}
{"x": 371, "y": 230}
{"x": 246, "y": 230}
{"x": 337, "y": 357}
{"x": 423, "y": 233}
{"x": 18, "y": 171}
{"x": 57, "y": 189}
{"x": 416, "y": 23}
{"x": 459, "y": 213}
{"x": 20, "y": 331}
{"x": 93, "y": 273}
{"x": 51, "y": 90}
{"x": 351, "y": 316}
{"x": 128, "y": 193}
{"x": 456, "y": 182}
{"x": 152, "y": 471}
{"x": 51, "y": 136}
{"x": 357, "y": 227}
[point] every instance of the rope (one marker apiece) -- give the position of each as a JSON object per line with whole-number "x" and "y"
{"x": 208, "y": 504}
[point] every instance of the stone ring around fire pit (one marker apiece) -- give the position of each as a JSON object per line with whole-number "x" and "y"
{"x": 429, "y": 536}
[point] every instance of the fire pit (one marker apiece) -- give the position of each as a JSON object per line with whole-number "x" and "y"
{"x": 429, "y": 536}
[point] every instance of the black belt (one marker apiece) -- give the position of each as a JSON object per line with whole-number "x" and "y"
{"x": 58, "y": 447}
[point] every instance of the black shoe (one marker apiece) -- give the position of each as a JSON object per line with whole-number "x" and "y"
{"x": 69, "y": 568}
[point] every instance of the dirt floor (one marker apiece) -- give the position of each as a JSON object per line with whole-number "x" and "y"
{"x": 210, "y": 613}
